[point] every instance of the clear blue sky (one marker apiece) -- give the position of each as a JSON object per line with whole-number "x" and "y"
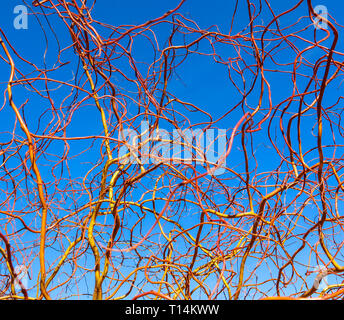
{"x": 200, "y": 80}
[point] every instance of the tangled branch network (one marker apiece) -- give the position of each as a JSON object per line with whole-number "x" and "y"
{"x": 171, "y": 158}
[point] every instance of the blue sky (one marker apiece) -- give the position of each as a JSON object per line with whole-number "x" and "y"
{"x": 200, "y": 80}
